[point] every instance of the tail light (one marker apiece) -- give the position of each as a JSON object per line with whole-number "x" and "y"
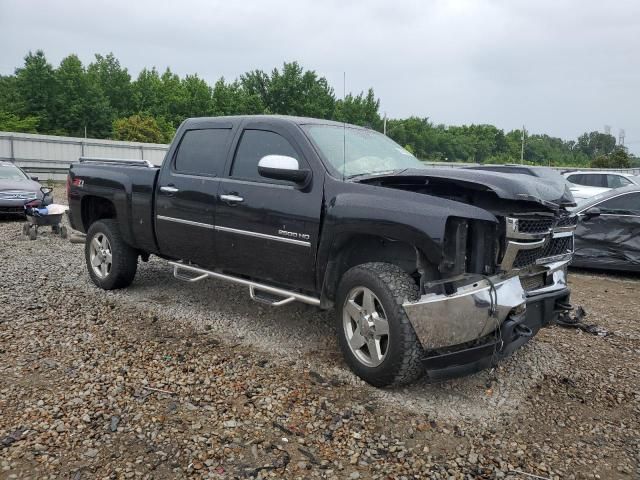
{"x": 76, "y": 182}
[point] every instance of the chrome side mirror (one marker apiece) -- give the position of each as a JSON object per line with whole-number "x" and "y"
{"x": 282, "y": 167}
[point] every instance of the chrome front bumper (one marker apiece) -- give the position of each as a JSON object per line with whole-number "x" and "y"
{"x": 447, "y": 320}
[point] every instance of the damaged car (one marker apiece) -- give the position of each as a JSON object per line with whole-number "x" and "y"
{"x": 436, "y": 271}
{"x": 608, "y": 234}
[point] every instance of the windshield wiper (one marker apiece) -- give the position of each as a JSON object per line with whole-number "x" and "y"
{"x": 377, "y": 174}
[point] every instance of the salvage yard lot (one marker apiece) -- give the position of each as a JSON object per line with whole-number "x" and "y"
{"x": 168, "y": 380}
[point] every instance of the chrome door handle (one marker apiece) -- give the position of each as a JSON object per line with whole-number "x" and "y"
{"x": 231, "y": 198}
{"x": 168, "y": 189}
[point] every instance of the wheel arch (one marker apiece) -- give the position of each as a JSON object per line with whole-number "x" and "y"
{"x": 354, "y": 249}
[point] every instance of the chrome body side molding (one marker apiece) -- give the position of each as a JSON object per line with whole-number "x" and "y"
{"x": 185, "y": 222}
{"x": 219, "y": 228}
{"x": 263, "y": 235}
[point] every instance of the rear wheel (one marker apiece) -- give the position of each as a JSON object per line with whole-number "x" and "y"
{"x": 111, "y": 262}
{"x": 375, "y": 335}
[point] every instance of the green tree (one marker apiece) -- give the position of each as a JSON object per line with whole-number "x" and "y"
{"x": 10, "y": 99}
{"x": 594, "y": 144}
{"x": 292, "y": 91}
{"x": 147, "y": 92}
{"x": 618, "y": 158}
{"x": 37, "y": 87}
{"x": 114, "y": 81}
{"x": 138, "y": 128}
{"x": 234, "y": 99}
{"x": 10, "y": 122}
{"x": 359, "y": 110}
{"x": 197, "y": 97}
{"x": 80, "y": 103}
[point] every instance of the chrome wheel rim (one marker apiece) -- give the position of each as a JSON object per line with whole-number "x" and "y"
{"x": 365, "y": 326}
{"x": 100, "y": 255}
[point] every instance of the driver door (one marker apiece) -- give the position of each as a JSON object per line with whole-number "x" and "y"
{"x": 267, "y": 229}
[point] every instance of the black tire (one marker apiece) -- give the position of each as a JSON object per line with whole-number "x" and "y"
{"x": 124, "y": 258}
{"x": 392, "y": 286}
{"x": 63, "y": 232}
{"x": 55, "y": 229}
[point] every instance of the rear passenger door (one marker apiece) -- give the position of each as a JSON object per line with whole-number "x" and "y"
{"x": 186, "y": 194}
{"x": 268, "y": 229}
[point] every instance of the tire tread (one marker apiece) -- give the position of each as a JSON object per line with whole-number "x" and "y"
{"x": 124, "y": 257}
{"x": 406, "y": 367}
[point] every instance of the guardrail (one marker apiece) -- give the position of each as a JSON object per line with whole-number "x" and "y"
{"x": 50, "y": 156}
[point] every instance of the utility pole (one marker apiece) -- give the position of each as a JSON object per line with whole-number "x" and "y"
{"x": 384, "y": 125}
{"x": 522, "y": 147}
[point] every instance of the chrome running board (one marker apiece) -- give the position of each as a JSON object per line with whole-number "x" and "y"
{"x": 180, "y": 271}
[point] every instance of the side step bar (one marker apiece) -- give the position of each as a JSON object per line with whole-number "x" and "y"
{"x": 180, "y": 271}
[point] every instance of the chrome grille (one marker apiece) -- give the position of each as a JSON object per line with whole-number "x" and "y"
{"x": 17, "y": 195}
{"x": 537, "y": 237}
{"x": 535, "y": 225}
{"x": 555, "y": 246}
{"x": 533, "y": 282}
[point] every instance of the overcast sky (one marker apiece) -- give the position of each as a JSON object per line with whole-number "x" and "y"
{"x": 559, "y": 67}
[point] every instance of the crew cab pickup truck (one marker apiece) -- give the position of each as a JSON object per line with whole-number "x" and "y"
{"x": 435, "y": 270}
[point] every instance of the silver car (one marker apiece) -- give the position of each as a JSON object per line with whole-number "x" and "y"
{"x": 17, "y": 189}
{"x": 586, "y": 184}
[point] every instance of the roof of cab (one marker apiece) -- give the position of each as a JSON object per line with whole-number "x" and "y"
{"x": 267, "y": 118}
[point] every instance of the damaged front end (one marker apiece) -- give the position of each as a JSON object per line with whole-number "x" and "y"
{"x": 496, "y": 295}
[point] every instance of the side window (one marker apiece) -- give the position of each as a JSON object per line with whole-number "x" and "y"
{"x": 254, "y": 145}
{"x": 590, "y": 180}
{"x": 617, "y": 181}
{"x": 203, "y": 152}
{"x": 628, "y": 204}
{"x": 576, "y": 179}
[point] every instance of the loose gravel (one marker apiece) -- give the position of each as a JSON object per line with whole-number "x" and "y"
{"x": 172, "y": 380}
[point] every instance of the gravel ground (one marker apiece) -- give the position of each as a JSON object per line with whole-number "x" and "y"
{"x": 169, "y": 380}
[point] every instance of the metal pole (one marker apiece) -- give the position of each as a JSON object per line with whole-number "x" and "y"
{"x": 522, "y": 147}
{"x": 13, "y": 156}
{"x": 141, "y": 152}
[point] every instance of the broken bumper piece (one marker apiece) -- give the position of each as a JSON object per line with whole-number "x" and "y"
{"x": 461, "y": 335}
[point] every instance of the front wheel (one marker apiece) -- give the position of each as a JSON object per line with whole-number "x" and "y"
{"x": 374, "y": 332}
{"x": 111, "y": 262}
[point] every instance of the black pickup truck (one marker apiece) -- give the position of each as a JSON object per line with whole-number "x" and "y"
{"x": 436, "y": 270}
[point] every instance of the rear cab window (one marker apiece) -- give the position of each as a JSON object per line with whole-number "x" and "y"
{"x": 203, "y": 152}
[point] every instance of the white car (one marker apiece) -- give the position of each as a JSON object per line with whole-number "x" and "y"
{"x": 587, "y": 184}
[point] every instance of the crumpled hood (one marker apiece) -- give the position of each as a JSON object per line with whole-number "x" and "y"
{"x": 26, "y": 185}
{"x": 550, "y": 191}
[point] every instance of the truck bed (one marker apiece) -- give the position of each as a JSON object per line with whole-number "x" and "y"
{"x": 127, "y": 185}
